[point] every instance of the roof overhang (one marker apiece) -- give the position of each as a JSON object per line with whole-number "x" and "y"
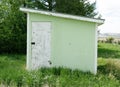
{"x": 95, "y": 20}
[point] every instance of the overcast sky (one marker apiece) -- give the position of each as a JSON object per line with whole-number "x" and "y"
{"x": 110, "y": 11}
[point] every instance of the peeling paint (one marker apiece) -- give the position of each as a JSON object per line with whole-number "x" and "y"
{"x": 41, "y": 49}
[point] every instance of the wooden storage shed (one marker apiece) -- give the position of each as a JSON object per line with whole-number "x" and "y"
{"x": 55, "y": 39}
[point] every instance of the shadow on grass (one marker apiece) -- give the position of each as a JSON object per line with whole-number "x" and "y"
{"x": 14, "y": 56}
{"x": 107, "y": 53}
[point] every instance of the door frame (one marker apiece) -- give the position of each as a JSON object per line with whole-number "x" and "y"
{"x": 32, "y": 36}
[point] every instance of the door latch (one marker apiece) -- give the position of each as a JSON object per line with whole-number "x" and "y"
{"x": 33, "y": 43}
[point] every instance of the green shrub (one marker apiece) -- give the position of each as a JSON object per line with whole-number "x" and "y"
{"x": 119, "y": 42}
{"x": 109, "y": 40}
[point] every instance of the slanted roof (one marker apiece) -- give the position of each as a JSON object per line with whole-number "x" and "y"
{"x": 95, "y": 20}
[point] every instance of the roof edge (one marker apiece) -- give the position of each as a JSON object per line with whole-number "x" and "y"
{"x": 95, "y": 20}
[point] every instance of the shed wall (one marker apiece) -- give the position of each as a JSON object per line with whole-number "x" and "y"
{"x": 73, "y": 42}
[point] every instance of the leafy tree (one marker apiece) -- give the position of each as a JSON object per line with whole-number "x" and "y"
{"x": 41, "y": 4}
{"x": 36, "y": 4}
{"x": 49, "y": 4}
{"x": 12, "y": 27}
{"x": 75, "y": 7}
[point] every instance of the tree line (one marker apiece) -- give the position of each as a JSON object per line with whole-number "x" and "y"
{"x": 13, "y": 21}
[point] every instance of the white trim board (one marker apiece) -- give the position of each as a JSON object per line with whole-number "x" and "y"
{"x": 28, "y": 42}
{"x": 98, "y": 21}
{"x": 96, "y": 44}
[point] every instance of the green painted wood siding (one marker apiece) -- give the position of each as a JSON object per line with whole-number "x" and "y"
{"x": 73, "y": 42}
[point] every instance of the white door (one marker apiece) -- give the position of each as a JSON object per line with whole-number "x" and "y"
{"x": 41, "y": 35}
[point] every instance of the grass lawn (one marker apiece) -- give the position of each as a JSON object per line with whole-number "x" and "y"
{"x": 107, "y": 50}
{"x": 13, "y": 73}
